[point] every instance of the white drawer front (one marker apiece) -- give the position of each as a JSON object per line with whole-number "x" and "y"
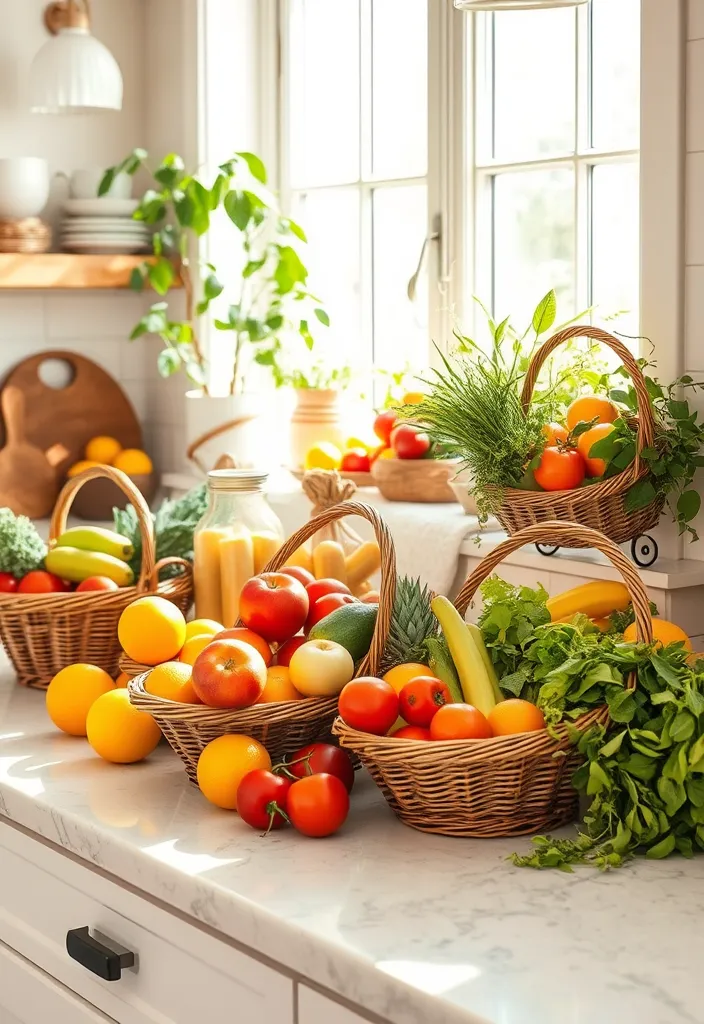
{"x": 316, "y": 1009}
{"x": 28, "y": 996}
{"x": 181, "y": 975}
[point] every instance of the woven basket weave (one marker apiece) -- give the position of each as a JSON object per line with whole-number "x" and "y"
{"x": 282, "y": 727}
{"x": 505, "y": 786}
{"x": 42, "y": 633}
{"x": 599, "y": 506}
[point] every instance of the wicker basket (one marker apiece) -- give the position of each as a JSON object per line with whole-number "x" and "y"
{"x": 43, "y": 633}
{"x": 506, "y": 786}
{"x": 286, "y": 726}
{"x": 599, "y": 506}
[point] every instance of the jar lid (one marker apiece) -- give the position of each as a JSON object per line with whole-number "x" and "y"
{"x": 236, "y": 479}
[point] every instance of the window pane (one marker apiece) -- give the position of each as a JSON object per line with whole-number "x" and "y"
{"x": 615, "y": 243}
{"x": 615, "y": 74}
{"x": 400, "y": 326}
{"x": 534, "y": 83}
{"x": 324, "y": 91}
{"x": 534, "y": 240}
{"x": 331, "y": 219}
{"x": 400, "y": 88}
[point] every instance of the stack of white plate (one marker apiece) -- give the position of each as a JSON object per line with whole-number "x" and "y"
{"x": 103, "y": 226}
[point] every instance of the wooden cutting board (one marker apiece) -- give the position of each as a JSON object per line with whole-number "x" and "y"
{"x": 28, "y": 476}
{"x": 92, "y": 404}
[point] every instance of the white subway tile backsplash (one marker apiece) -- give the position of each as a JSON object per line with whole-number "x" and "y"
{"x": 137, "y": 392}
{"x": 695, "y": 26}
{"x": 694, "y": 228}
{"x": 695, "y": 96}
{"x": 93, "y": 315}
{"x": 21, "y": 318}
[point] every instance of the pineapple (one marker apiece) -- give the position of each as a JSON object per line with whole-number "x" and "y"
{"x": 412, "y": 622}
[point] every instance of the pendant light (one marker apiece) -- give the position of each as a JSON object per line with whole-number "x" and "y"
{"x": 73, "y": 73}
{"x": 515, "y": 5}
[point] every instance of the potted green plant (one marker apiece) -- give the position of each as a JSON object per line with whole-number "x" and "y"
{"x": 265, "y": 316}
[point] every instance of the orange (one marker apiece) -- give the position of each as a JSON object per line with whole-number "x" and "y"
{"x": 664, "y": 633}
{"x": 119, "y": 732}
{"x": 151, "y": 630}
{"x": 172, "y": 681}
{"x": 103, "y": 449}
{"x": 192, "y": 648}
{"x": 278, "y": 686}
{"x": 513, "y": 716}
{"x": 413, "y": 398}
{"x": 554, "y": 432}
{"x": 224, "y": 763}
{"x": 78, "y": 467}
{"x": 199, "y": 627}
{"x": 122, "y": 681}
{"x": 591, "y": 407}
{"x": 595, "y": 467}
{"x": 133, "y": 462}
{"x": 459, "y": 722}
{"x": 71, "y": 694}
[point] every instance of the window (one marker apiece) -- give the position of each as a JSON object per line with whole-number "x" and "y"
{"x": 355, "y": 167}
{"x": 555, "y": 159}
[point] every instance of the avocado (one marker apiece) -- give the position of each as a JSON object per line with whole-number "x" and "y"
{"x": 351, "y": 626}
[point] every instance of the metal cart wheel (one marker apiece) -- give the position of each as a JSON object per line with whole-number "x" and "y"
{"x": 644, "y": 550}
{"x": 547, "y": 549}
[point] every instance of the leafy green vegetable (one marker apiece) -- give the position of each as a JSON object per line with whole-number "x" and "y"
{"x": 21, "y": 547}
{"x": 508, "y": 622}
{"x": 174, "y": 524}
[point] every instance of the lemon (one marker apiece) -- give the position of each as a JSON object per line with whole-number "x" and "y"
{"x": 323, "y": 455}
{"x": 133, "y": 462}
{"x": 224, "y": 763}
{"x": 78, "y": 467}
{"x": 103, "y": 449}
{"x": 119, "y": 732}
{"x": 72, "y": 692}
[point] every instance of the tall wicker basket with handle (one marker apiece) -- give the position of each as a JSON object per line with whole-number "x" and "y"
{"x": 508, "y": 785}
{"x": 600, "y": 506}
{"x": 42, "y": 633}
{"x": 286, "y": 726}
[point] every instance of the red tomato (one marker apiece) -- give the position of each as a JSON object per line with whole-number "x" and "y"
{"x": 410, "y": 442}
{"x": 411, "y": 732}
{"x": 421, "y": 699}
{"x": 560, "y": 470}
{"x": 287, "y": 650}
{"x": 246, "y": 636}
{"x": 318, "y": 805}
{"x": 459, "y": 722}
{"x": 326, "y": 586}
{"x": 322, "y": 757}
{"x": 299, "y": 573}
{"x": 261, "y": 799}
{"x": 8, "y": 583}
{"x": 229, "y": 674}
{"x": 40, "y": 582}
{"x": 324, "y": 605}
{"x": 369, "y": 704}
{"x": 356, "y": 460}
{"x": 274, "y": 605}
{"x": 96, "y": 583}
{"x": 384, "y": 424}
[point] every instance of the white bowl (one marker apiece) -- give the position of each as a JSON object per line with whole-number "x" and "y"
{"x": 24, "y": 187}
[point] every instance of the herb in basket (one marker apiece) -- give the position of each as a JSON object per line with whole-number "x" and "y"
{"x": 174, "y": 523}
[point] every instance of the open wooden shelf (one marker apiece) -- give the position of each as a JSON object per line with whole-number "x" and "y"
{"x": 66, "y": 270}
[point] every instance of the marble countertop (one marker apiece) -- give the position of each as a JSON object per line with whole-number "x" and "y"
{"x": 415, "y": 928}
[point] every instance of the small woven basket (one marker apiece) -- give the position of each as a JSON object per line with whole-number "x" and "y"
{"x": 282, "y": 727}
{"x": 505, "y": 786}
{"x": 42, "y": 633}
{"x": 600, "y": 506}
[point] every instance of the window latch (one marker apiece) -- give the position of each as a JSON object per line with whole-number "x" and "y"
{"x": 434, "y": 236}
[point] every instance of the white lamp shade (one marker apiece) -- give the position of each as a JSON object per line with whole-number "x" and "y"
{"x": 515, "y": 5}
{"x": 74, "y": 73}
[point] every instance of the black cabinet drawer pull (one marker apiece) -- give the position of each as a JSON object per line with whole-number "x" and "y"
{"x": 97, "y": 957}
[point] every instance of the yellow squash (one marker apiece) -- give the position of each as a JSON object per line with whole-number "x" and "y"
{"x": 474, "y": 678}
{"x": 596, "y": 600}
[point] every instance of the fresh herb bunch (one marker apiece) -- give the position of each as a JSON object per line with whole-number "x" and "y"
{"x": 21, "y": 547}
{"x": 174, "y": 523}
{"x": 509, "y": 619}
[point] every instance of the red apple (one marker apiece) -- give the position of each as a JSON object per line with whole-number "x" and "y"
{"x": 326, "y": 604}
{"x": 384, "y": 424}
{"x": 287, "y": 650}
{"x": 299, "y": 573}
{"x": 274, "y": 605}
{"x": 409, "y": 442}
{"x": 326, "y": 586}
{"x": 246, "y": 636}
{"x": 229, "y": 674}
{"x": 96, "y": 583}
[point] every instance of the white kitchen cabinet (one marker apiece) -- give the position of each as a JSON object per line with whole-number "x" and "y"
{"x": 316, "y": 1009}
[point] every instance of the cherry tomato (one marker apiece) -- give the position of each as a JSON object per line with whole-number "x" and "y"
{"x": 40, "y": 582}
{"x": 8, "y": 583}
{"x": 356, "y": 460}
{"x": 322, "y": 757}
{"x": 560, "y": 470}
{"x": 411, "y": 732}
{"x": 287, "y": 650}
{"x": 410, "y": 442}
{"x": 318, "y": 805}
{"x": 299, "y": 573}
{"x": 319, "y": 588}
{"x": 459, "y": 722}
{"x": 384, "y": 424}
{"x": 369, "y": 704}
{"x": 326, "y": 604}
{"x": 261, "y": 799}
{"x": 421, "y": 699}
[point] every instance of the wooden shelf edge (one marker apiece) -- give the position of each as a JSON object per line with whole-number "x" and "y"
{"x": 66, "y": 270}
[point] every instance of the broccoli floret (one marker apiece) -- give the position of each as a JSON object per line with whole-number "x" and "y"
{"x": 21, "y": 547}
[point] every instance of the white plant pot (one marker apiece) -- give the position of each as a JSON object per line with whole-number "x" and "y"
{"x": 208, "y": 412}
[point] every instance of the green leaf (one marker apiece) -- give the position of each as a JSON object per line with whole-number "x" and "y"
{"x": 137, "y": 280}
{"x": 212, "y": 287}
{"x": 304, "y": 332}
{"x": 218, "y": 191}
{"x": 545, "y": 313}
{"x": 640, "y": 495}
{"x": 223, "y": 325}
{"x": 185, "y": 209}
{"x": 106, "y": 181}
{"x": 290, "y": 271}
{"x": 170, "y": 171}
{"x": 168, "y": 362}
{"x": 253, "y": 266}
{"x": 678, "y": 410}
{"x": 662, "y": 849}
{"x": 614, "y": 745}
{"x": 255, "y": 165}
{"x": 238, "y": 208}
{"x": 670, "y": 674}
{"x": 622, "y": 705}
{"x": 201, "y": 199}
{"x": 688, "y": 505}
{"x": 682, "y": 726}
{"x": 322, "y": 316}
{"x": 161, "y": 275}
{"x": 290, "y": 225}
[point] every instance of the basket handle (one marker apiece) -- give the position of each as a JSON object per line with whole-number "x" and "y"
{"x": 565, "y": 533}
{"x": 372, "y": 663}
{"x": 59, "y": 517}
{"x": 646, "y": 424}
